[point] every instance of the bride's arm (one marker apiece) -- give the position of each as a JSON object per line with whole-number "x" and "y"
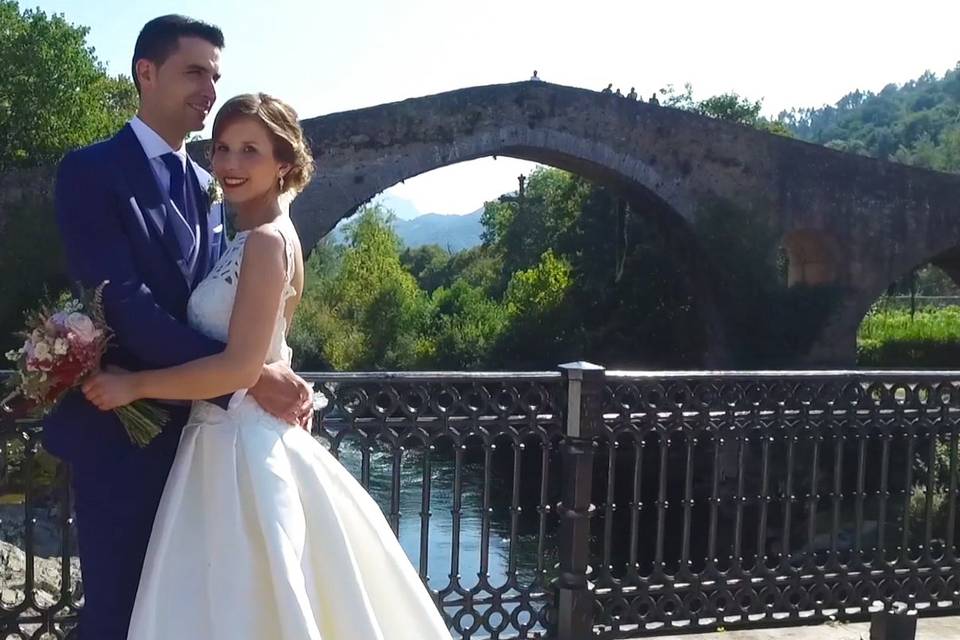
{"x": 259, "y": 291}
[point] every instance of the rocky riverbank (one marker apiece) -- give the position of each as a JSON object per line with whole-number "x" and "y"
{"x": 46, "y": 579}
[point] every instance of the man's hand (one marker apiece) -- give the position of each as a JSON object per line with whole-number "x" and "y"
{"x": 284, "y": 394}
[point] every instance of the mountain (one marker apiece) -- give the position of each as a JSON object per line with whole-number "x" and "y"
{"x": 454, "y": 233}
{"x": 401, "y": 207}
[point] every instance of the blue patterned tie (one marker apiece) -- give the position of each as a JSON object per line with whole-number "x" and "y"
{"x": 184, "y": 219}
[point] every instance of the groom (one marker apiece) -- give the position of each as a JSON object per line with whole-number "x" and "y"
{"x": 134, "y": 210}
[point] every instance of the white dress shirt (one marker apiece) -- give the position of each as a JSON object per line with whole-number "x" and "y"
{"x": 155, "y": 147}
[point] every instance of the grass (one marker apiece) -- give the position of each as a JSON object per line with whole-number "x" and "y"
{"x": 892, "y": 338}
{"x": 928, "y": 325}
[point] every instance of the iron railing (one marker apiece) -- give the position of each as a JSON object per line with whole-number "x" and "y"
{"x": 599, "y": 503}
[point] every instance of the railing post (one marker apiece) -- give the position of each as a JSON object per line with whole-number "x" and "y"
{"x": 897, "y": 622}
{"x": 584, "y": 417}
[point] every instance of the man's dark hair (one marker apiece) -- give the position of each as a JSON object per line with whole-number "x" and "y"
{"x": 160, "y": 37}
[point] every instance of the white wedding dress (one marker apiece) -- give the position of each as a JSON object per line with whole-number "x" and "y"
{"x": 261, "y": 534}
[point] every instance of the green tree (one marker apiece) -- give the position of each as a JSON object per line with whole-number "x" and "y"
{"x": 429, "y": 264}
{"x": 366, "y": 311}
{"x": 55, "y": 94}
{"x": 732, "y": 107}
{"x": 31, "y": 264}
{"x": 466, "y": 328}
{"x": 915, "y": 123}
{"x": 315, "y": 323}
{"x": 478, "y": 266}
{"x": 539, "y": 289}
{"x": 728, "y": 106}
{"x": 926, "y": 153}
{"x": 521, "y": 229}
{"x": 543, "y": 323}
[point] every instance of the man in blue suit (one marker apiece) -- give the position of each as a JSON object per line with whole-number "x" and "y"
{"x": 134, "y": 210}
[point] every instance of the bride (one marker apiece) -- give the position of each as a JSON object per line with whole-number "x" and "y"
{"x": 260, "y": 533}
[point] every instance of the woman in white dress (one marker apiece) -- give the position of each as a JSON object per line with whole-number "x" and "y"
{"x": 261, "y": 533}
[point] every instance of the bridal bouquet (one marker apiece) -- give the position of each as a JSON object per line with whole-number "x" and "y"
{"x": 63, "y": 343}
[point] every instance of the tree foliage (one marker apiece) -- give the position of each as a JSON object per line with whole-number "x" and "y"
{"x": 917, "y": 122}
{"x": 55, "y": 95}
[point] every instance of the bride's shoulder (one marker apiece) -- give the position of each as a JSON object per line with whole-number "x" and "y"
{"x": 266, "y": 236}
{"x": 273, "y": 236}
{"x": 264, "y": 242}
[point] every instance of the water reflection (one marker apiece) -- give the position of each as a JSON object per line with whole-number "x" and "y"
{"x": 440, "y": 530}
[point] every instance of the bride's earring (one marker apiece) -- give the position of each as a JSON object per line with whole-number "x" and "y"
{"x": 281, "y": 183}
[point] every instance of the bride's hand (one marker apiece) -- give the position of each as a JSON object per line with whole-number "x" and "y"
{"x": 108, "y": 391}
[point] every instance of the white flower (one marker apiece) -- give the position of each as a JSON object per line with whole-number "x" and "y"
{"x": 60, "y": 347}
{"x": 214, "y": 192}
{"x": 14, "y": 354}
{"x": 82, "y": 326}
{"x": 42, "y": 351}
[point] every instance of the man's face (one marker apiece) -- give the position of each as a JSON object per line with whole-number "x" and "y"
{"x": 182, "y": 90}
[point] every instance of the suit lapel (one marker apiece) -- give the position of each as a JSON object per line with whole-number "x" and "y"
{"x": 154, "y": 204}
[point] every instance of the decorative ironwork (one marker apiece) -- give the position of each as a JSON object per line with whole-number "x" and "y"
{"x": 772, "y": 498}
{"x": 465, "y": 466}
{"x": 623, "y": 503}
{"x": 40, "y": 588}
{"x": 483, "y": 448}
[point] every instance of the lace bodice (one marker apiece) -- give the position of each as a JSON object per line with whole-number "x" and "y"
{"x": 211, "y": 304}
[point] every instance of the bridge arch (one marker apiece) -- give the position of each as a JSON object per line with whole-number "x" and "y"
{"x": 362, "y": 153}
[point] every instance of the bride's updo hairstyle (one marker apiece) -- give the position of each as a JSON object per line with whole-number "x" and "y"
{"x": 289, "y": 144}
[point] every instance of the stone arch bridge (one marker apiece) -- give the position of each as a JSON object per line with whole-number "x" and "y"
{"x": 737, "y": 202}
{"x": 847, "y": 224}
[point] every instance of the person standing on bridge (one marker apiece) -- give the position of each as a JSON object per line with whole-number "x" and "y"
{"x": 291, "y": 545}
{"x": 257, "y": 534}
{"x": 134, "y": 210}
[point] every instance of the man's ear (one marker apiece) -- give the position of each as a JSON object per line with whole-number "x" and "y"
{"x": 146, "y": 72}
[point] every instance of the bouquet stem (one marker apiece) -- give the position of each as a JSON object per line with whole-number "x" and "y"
{"x": 3, "y": 403}
{"x": 142, "y": 421}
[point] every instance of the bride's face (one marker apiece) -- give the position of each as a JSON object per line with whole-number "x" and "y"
{"x": 244, "y": 162}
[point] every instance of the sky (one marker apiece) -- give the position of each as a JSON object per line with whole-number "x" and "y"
{"x": 329, "y": 56}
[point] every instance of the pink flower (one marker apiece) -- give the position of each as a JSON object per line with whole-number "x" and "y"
{"x": 82, "y": 327}
{"x": 56, "y": 323}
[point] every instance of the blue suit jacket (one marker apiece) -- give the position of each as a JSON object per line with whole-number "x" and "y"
{"x": 112, "y": 217}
